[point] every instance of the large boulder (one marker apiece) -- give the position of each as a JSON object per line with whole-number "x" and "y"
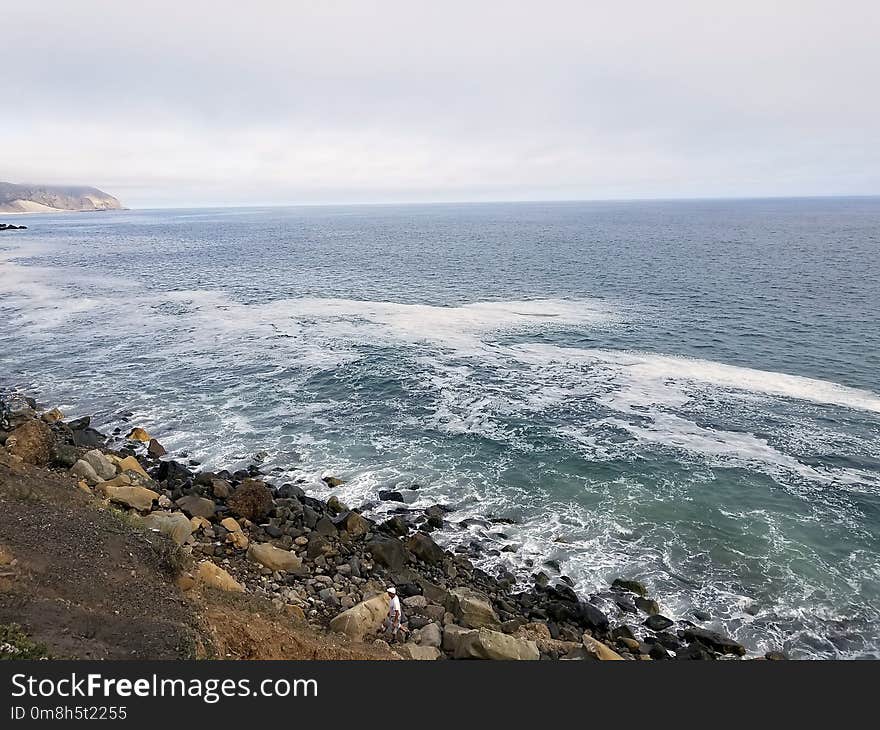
{"x": 488, "y": 644}
{"x": 32, "y": 442}
{"x": 252, "y": 500}
{"x": 197, "y": 506}
{"x": 172, "y": 524}
{"x": 472, "y": 609}
{"x": 129, "y": 463}
{"x": 714, "y": 640}
{"x": 138, "y": 498}
{"x": 363, "y": 619}
{"x": 275, "y": 558}
{"x": 354, "y": 524}
{"x": 103, "y": 467}
{"x": 452, "y": 634}
{"x": 597, "y": 649}
{"x": 83, "y": 470}
{"x": 425, "y": 549}
{"x": 388, "y": 552}
{"x": 419, "y": 652}
{"x": 214, "y": 576}
{"x": 633, "y": 586}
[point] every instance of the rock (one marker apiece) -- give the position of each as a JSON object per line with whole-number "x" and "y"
{"x": 487, "y": 644}
{"x": 332, "y": 482}
{"x": 78, "y": 424}
{"x": 197, "y": 506}
{"x": 32, "y": 442}
{"x": 155, "y": 449}
{"x": 395, "y": 526}
{"x": 388, "y": 552}
{"x": 83, "y": 470}
{"x": 415, "y": 603}
{"x": 138, "y": 498}
{"x": 658, "y": 622}
{"x": 694, "y": 651}
{"x": 419, "y": 652}
{"x": 230, "y": 524}
{"x": 387, "y": 495}
{"x": 138, "y": 434}
{"x": 430, "y": 635}
{"x": 252, "y": 500}
{"x": 215, "y": 577}
{"x": 104, "y": 468}
{"x": 129, "y": 463}
{"x": 364, "y": 619}
{"x": 424, "y": 548}
{"x": 87, "y": 438}
{"x": 334, "y": 506}
{"x": 66, "y": 455}
{"x": 434, "y": 593}
{"x": 172, "y": 524}
{"x": 598, "y": 650}
{"x": 452, "y": 634}
{"x": 647, "y": 605}
{"x": 326, "y": 528}
{"x": 52, "y": 416}
{"x": 274, "y": 558}
{"x": 592, "y": 617}
{"x": 633, "y": 586}
{"x": 472, "y": 609}
{"x": 714, "y": 640}
{"x": 354, "y": 524}
{"x": 238, "y": 540}
{"x": 220, "y": 488}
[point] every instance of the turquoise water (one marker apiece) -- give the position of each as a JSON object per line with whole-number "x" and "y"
{"x": 683, "y": 392}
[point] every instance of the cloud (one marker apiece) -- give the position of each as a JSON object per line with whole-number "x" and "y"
{"x": 272, "y": 102}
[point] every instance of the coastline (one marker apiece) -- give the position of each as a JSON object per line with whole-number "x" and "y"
{"x": 325, "y": 566}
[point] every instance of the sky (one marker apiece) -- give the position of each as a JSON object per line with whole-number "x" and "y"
{"x": 272, "y": 103}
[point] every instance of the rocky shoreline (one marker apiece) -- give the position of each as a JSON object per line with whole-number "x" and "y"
{"x": 327, "y": 565}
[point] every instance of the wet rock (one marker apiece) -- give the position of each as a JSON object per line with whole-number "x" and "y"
{"x": 332, "y": 482}
{"x": 335, "y": 506}
{"x": 714, "y": 640}
{"x": 155, "y": 449}
{"x": 138, "y": 434}
{"x": 633, "y": 586}
{"x": 647, "y": 605}
{"x": 592, "y": 617}
{"x": 425, "y": 549}
{"x": 87, "y": 438}
{"x": 395, "y": 526}
{"x": 386, "y": 495}
{"x": 658, "y": 622}
{"x": 326, "y": 528}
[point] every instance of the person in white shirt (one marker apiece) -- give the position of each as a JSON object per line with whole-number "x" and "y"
{"x": 393, "y": 623}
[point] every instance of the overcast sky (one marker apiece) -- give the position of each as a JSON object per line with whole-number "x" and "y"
{"x": 202, "y": 103}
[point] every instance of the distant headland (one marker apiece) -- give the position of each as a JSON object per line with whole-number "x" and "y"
{"x": 53, "y": 198}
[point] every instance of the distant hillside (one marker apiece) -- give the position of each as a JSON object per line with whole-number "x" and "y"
{"x": 51, "y": 198}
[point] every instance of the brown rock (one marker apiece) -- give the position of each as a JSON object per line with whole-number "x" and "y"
{"x": 197, "y": 506}
{"x": 138, "y": 434}
{"x": 597, "y": 649}
{"x": 32, "y": 442}
{"x": 252, "y": 500}
{"x": 215, "y": 577}
{"x": 139, "y": 498}
{"x": 274, "y": 558}
{"x": 154, "y": 448}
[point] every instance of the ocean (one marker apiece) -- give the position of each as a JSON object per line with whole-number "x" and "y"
{"x": 683, "y": 392}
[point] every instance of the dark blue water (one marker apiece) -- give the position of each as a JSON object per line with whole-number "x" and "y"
{"x": 683, "y": 392}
